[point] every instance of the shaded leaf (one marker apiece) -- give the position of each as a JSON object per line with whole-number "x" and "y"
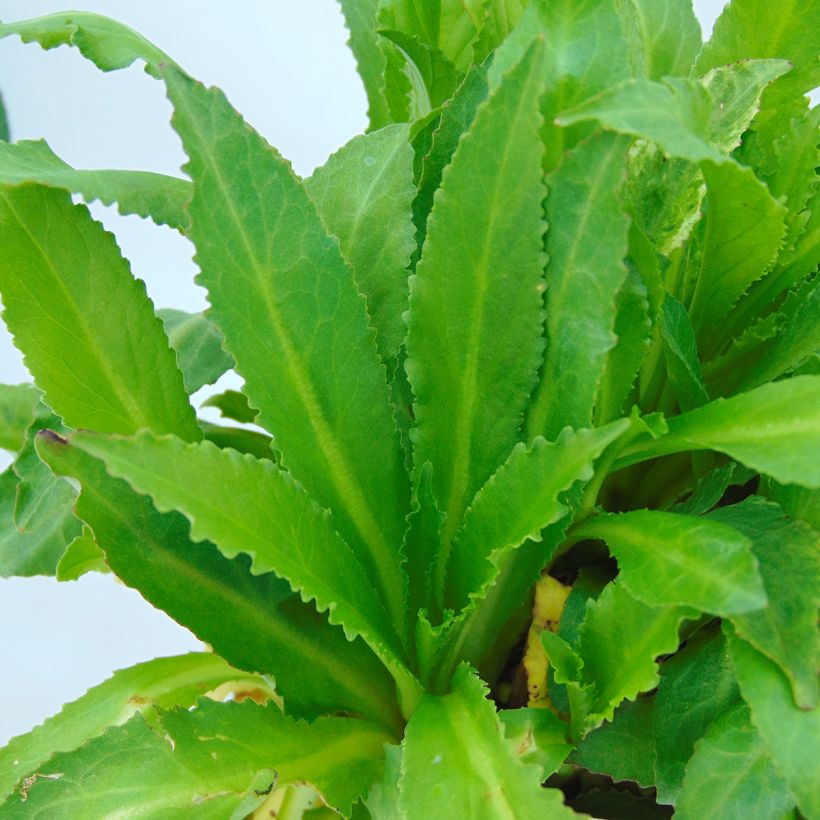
{"x": 681, "y": 351}
{"x": 232, "y": 405}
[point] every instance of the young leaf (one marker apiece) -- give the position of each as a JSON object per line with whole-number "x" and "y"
{"x": 17, "y": 403}
{"x": 730, "y": 775}
{"x": 153, "y": 196}
{"x": 786, "y": 630}
{"x": 198, "y": 345}
{"x": 360, "y": 18}
{"x": 65, "y": 286}
{"x": 667, "y": 558}
{"x": 277, "y": 270}
{"x": 363, "y": 194}
{"x": 482, "y": 263}
{"x": 681, "y": 351}
{"x": 521, "y": 498}
{"x": 669, "y": 36}
{"x": 774, "y": 429}
{"x": 618, "y": 643}
{"x": 175, "y": 681}
{"x": 253, "y": 621}
{"x": 791, "y": 735}
{"x": 278, "y": 525}
{"x": 586, "y": 246}
{"x": 82, "y": 555}
{"x": 455, "y": 751}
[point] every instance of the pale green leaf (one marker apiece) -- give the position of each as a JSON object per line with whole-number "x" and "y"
{"x": 153, "y": 196}
{"x": 482, "y": 263}
{"x": 82, "y": 555}
{"x": 797, "y": 502}
{"x": 618, "y": 643}
{"x": 669, "y": 36}
{"x": 278, "y": 525}
{"x": 455, "y": 753}
{"x": 108, "y": 44}
{"x": 66, "y": 287}
{"x": 277, "y": 270}
{"x": 253, "y": 621}
{"x": 17, "y": 403}
{"x": 586, "y": 245}
{"x": 697, "y": 686}
{"x": 791, "y": 734}
{"x": 198, "y": 345}
{"x": 730, "y": 776}
{"x": 789, "y": 556}
{"x": 363, "y": 194}
{"x": 536, "y": 736}
{"x": 165, "y": 682}
{"x": 667, "y": 558}
{"x": 521, "y": 498}
{"x": 360, "y": 18}
{"x": 774, "y": 429}
{"x": 681, "y": 352}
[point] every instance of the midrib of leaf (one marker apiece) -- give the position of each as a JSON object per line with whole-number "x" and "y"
{"x": 343, "y": 477}
{"x": 461, "y": 467}
{"x": 537, "y": 420}
{"x": 126, "y": 401}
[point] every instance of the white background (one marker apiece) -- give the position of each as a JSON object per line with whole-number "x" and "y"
{"x": 285, "y": 66}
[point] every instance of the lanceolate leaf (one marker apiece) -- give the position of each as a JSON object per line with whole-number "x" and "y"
{"x": 455, "y": 751}
{"x": 730, "y": 775}
{"x": 273, "y": 520}
{"x": 17, "y": 403}
{"x": 65, "y": 286}
{"x": 681, "y": 351}
{"x": 198, "y": 345}
{"x": 253, "y": 621}
{"x": 154, "y": 196}
{"x": 518, "y": 502}
{"x": 175, "y": 681}
{"x": 311, "y": 365}
{"x": 774, "y": 429}
{"x": 586, "y": 246}
{"x": 791, "y": 734}
{"x": 668, "y": 558}
{"x": 789, "y": 555}
{"x": 482, "y": 264}
{"x": 363, "y": 194}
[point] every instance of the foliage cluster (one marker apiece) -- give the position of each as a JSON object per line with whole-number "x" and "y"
{"x": 528, "y": 523}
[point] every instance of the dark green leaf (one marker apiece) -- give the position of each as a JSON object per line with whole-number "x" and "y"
{"x": 232, "y": 405}
{"x": 682, "y": 361}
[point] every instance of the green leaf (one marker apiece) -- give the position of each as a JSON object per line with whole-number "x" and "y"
{"x": 5, "y": 133}
{"x": 667, "y": 558}
{"x": 65, "y": 286}
{"x": 164, "y": 682}
{"x": 521, "y": 498}
{"x": 785, "y": 630}
{"x": 239, "y": 439}
{"x": 482, "y": 263}
{"x": 730, "y": 776}
{"x": 623, "y": 748}
{"x": 697, "y": 686}
{"x": 743, "y": 233}
{"x": 153, "y": 196}
{"x": 360, "y": 18}
{"x": 278, "y": 271}
{"x": 108, "y": 44}
{"x": 632, "y": 329}
{"x": 796, "y": 502}
{"x": 618, "y": 643}
{"x": 681, "y": 351}
{"x": 253, "y": 621}
{"x": 364, "y": 194}
{"x": 586, "y": 245}
{"x": 709, "y": 490}
{"x": 198, "y": 345}
{"x": 232, "y": 405}
{"x": 17, "y": 403}
{"x": 669, "y": 36}
{"x": 791, "y": 735}
{"x": 278, "y": 525}
{"x": 774, "y": 429}
{"x": 82, "y": 555}
{"x": 537, "y": 736}
{"x": 455, "y": 752}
